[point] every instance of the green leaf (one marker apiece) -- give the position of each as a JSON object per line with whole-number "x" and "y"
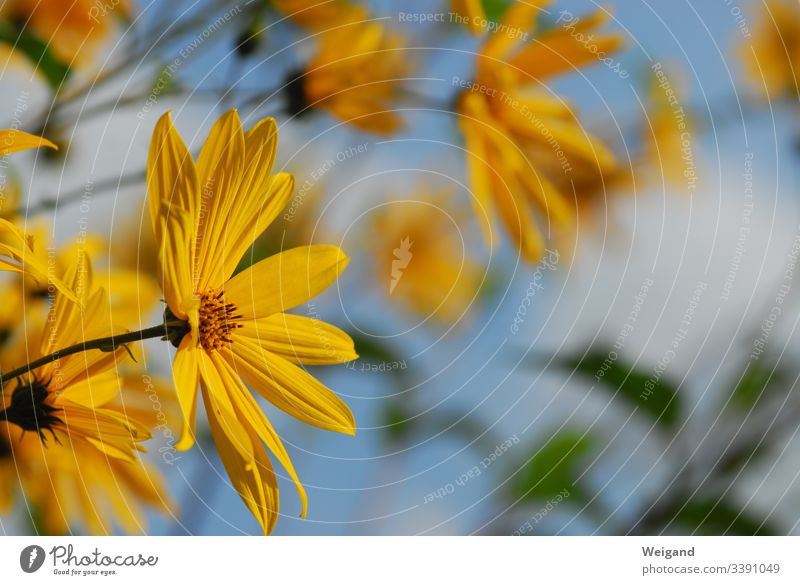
{"x": 552, "y": 468}
{"x": 495, "y": 9}
{"x": 371, "y": 349}
{"x": 37, "y": 51}
{"x": 398, "y": 421}
{"x": 710, "y": 516}
{"x": 758, "y": 380}
{"x": 654, "y": 395}
{"x": 733, "y": 461}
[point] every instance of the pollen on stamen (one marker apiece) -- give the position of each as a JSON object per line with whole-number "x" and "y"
{"x": 217, "y": 321}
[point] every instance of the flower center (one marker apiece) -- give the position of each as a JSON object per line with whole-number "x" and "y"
{"x": 217, "y": 321}
{"x": 5, "y": 449}
{"x": 30, "y": 410}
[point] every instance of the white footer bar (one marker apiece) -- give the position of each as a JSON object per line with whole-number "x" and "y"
{"x": 374, "y": 560}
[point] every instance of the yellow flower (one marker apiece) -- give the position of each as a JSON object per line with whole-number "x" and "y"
{"x": 72, "y": 29}
{"x": 520, "y": 138}
{"x": 421, "y": 259}
{"x": 73, "y": 484}
{"x": 773, "y": 54}
{"x": 233, "y": 330}
{"x": 354, "y": 76}
{"x": 472, "y": 11}
{"x": 65, "y": 403}
{"x": 320, "y": 14}
{"x": 132, "y": 294}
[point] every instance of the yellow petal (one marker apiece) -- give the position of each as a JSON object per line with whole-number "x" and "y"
{"x": 16, "y": 140}
{"x": 254, "y": 216}
{"x": 547, "y": 197}
{"x": 95, "y": 391}
{"x": 256, "y": 190}
{"x": 19, "y": 247}
{"x": 290, "y": 388}
{"x": 300, "y": 339}
{"x": 517, "y": 218}
{"x": 248, "y": 410}
{"x": 472, "y": 10}
{"x": 568, "y": 47}
{"x": 185, "y": 374}
{"x": 478, "y": 173}
{"x": 248, "y": 466}
{"x": 519, "y": 16}
{"x": 65, "y": 315}
{"x": 178, "y": 278}
{"x": 171, "y": 174}
{"x": 285, "y": 280}
{"x": 219, "y": 170}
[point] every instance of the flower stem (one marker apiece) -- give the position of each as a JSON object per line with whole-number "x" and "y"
{"x": 108, "y": 344}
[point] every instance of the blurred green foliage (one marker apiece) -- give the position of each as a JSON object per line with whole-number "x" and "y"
{"x": 37, "y": 51}
{"x": 552, "y": 467}
{"x": 655, "y": 397}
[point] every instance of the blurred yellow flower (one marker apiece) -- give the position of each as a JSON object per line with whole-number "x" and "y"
{"x": 669, "y": 127}
{"x": 233, "y": 330}
{"x": 520, "y": 138}
{"x": 355, "y": 76}
{"x": 421, "y": 259}
{"x": 132, "y": 294}
{"x": 472, "y": 12}
{"x": 72, "y": 29}
{"x": 71, "y": 485}
{"x": 320, "y": 14}
{"x": 772, "y": 55}
{"x": 64, "y": 399}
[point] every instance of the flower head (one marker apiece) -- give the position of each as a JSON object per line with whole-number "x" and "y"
{"x": 355, "y": 76}
{"x": 64, "y": 400}
{"x": 72, "y": 29}
{"x": 772, "y": 56}
{"x": 420, "y": 258}
{"x": 73, "y": 484}
{"x": 234, "y": 329}
{"x": 521, "y": 138}
{"x": 131, "y": 293}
